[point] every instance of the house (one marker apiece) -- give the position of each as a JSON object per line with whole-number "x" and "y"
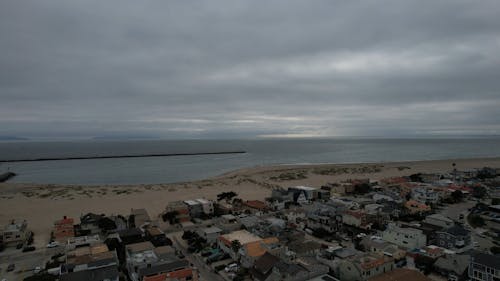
{"x": 305, "y": 248}
{"x": 484, "y": 267}
{"x": 14, "y": 233}
{"x": 453, "y": 267}
{"x": 97, "y": 274}
{"x": 415, "y": 207}
{"x": 280, "y": 199}
{"x": 276, "y": 204}
{"x": 63, "y": 229}
{"x": 325, "y": 217}
{"x": 301, "y": 270}
{"x": 377, "y": 245}
{"x": 210, "y": 234}
{"x": 311, "y": 193}
{"x": 255, "y": 206}
{"x": 324, "y": 277}
{"x": 263, "y": 267}
{"x": 406, "y": 237}
{"x": 323, "y": 194}
{"x": 144, "y": 262}
{"x": 139, "y": 217}
{"x": 454, "y": 238}
{"x": 225, "y": 241}
{"x": 401, "y": 274}
{"x": 181, "y": 209}
{"x": 392, "y": 208}
{"x": 250, "y": 252}
{"x": 88, "y": 258}
{"x": 207, "y": 206}
{"x": 156, "y": 236}
{"x": 356, "y": 218}
{"x": 130, "y": 235}
{"x": 386, "y": 196}
{"x": 228, "y": 223}
{"x": 89, "y": 224}
{"x": 248, "y": 222}
{"x": 285, "y": 271}
{"x": 439, "y": 220}
{"x": 195, "y": 208}
{"x": 82, "y": 241}
{"x": 425, "y": 195}
{"x": 365, "y": 266}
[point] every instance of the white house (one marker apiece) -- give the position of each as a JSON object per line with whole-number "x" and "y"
{"x": 405, "y": 237}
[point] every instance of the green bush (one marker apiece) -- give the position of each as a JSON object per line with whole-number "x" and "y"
{"x": 475, "y": 221}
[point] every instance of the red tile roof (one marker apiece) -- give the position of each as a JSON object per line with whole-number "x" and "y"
{"x": 256, "y": 204}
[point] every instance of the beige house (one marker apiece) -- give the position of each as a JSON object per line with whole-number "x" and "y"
{"x": 406, "y": 237}
{"x": 14, "y": 232}
{"x": 365, "y": 266}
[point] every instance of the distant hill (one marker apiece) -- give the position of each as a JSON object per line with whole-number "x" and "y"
{"x": 11, "y": 138}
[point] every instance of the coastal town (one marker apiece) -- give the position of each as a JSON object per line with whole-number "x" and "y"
{"x": 421, "y": 226}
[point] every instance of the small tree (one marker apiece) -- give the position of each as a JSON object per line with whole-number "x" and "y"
{"x": 476, "y": 221}
{"x": 171, "y": 217}
{"x": 235, "y": 245}
{"x": 457, "y": 196}
{"x": 495, "y": 250}
{"x": 479, "y": 191}
{"x": 226, "y": 196}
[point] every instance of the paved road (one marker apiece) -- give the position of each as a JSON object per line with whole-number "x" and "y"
{"x": 205, "y": 271}
{"x": 25, "y": 262}
{"x": 453, "y": 212}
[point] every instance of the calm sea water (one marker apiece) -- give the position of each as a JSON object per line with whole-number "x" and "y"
{"x": 185, "y": 168}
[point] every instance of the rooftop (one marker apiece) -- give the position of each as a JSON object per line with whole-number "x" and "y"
{"x": 140, "y": 247}
{"x": 487, "y": 259}
{"x": 243, "y": 236}
{"x": 256, "y": 249}
{"x": 212, "y": 229}
{"x": 401, "y": 274}
{"x": 301, "y": 187}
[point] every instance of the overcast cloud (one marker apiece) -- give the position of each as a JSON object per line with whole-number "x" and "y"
{"x": 225, "y": 69}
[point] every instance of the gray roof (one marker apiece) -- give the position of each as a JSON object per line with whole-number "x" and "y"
{"x": 99, "y": 274}
{"x": 289, "y": 268}
{"x": 455, "y": 263}
{"x": 457, "y": 231}
{"x": 487, "y": 260}
{"x": 265, "y": 263}
{"x": 166, "y": 267}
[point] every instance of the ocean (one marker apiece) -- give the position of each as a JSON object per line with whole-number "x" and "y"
{"x": 149, "y": 170}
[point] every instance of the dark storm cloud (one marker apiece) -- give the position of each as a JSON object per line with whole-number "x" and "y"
{"x": 244, "y": 69}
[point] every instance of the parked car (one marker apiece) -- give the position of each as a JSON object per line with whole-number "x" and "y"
{"x": 37, "y": 269}
{"x": 11, "y": 267}
{"x": 231, "y": 267}
{"x": 29, "y": 249}
{"x": 53, "y": 244}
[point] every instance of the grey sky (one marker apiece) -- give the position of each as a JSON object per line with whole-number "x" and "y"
{"x": 183, "y": 69}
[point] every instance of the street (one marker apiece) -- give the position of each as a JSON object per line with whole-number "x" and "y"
{"x": 204, "y": 270}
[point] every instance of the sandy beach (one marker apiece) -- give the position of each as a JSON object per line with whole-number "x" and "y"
{"x": 41, "y": 205}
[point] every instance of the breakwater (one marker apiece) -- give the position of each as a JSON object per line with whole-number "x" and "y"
{"x": 6, "y": 176}
{"x": 119, "y": 156}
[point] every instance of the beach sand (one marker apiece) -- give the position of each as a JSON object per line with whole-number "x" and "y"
{"x": 41, "y": 204}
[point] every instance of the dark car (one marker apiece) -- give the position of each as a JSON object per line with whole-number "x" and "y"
{"x": 11, "y": 267}
{"x": 28, "y": 249}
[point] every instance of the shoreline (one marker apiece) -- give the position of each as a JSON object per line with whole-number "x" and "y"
{"x": 42, "y": 204}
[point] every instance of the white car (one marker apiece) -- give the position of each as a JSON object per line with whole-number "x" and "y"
{"x": 231, "y": 267}
{"x": 53, "y": 244}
